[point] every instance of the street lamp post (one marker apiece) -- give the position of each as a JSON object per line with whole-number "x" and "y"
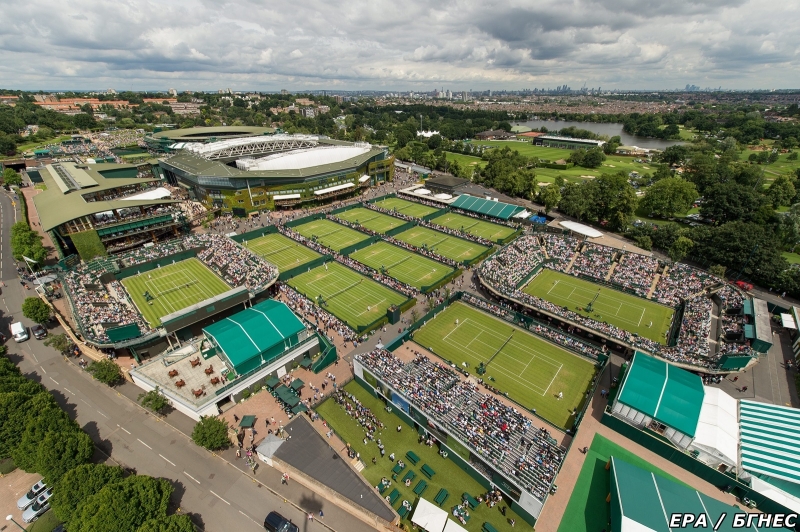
{"x": 11, "y": 518}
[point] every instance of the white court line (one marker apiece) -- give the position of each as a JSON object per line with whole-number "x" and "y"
{"x": 143, "y": 443}
{"x": 603, "y": 301}
{"x": 220, "y": 498}
{"x": 250, "y": 518}
{"x": 191, "y": 477}
{"x": 456, "y": 327}
{"x": 123, "y": 428}
{"x": 167, "y": 459}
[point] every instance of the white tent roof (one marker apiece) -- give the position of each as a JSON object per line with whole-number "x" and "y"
{"x": 363, "y": 178}
{"x": 591, "y": 232}
{"x": 788, "y": 321}
{"x": 429, "y": 516}
{"x": 452, "y": 526}
{"x": 422, "y": 191}
{"x": 443, "y": 196}
{"x": 307, "y": 158}
{"x": 156, "y": 193}
{"x": 333, "y": 189}
{"x": 718, "y": 426}
{"x": 285, "y": 196}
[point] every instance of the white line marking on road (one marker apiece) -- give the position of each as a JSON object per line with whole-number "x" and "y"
{"x": 220, "y": 498}
{"x": 191, "y": 477}
{"x": 69, "y": 391}
{"x": 55, "y": 381}
{"x": 44, "y": 370}
{"x": 102, "y": 414}
{"x": 165, "y": 458}
{"x": 143, "y": 443}
{"x": 250, "y": 518}
{"x": 123, "y": 428}
{"x": 34, "y": 357}
{"x": 85, "y": 402}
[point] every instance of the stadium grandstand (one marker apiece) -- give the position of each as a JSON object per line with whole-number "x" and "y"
{"x": 629, "y": 300}
{"x": 104, "y": 207}
{"x": 257, "y": 172}
{"x": 161, "y": 141}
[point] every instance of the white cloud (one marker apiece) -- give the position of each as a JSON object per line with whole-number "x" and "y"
{"x": 462, "y": 44}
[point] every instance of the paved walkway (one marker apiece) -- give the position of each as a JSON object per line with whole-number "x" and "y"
{"x": 12, "y": 487}
{"x": 33, "y": 217}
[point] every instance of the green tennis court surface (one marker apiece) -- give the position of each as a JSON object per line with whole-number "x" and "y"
{"x": 448, "y": 246}
{"x": 330, "y": 234}
{"x": 172, "y": 288}
{"x": 406, "y": 267}
{"x": 281, "y": 251}
{"x": 531, "y": 370}
{"x": 409, "y": 208}
{"x": 348, "y": 295}
{"x": 471, "y": 226}
{"x": 626, "y": 311}
{"x": 376, "y": 221}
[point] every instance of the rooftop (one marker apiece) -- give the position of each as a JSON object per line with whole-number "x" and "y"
{"x": 306, "y": 158}
{"x": 205, "y": 133}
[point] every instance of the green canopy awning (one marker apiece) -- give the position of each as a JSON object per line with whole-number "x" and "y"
{"x": 247, "y": 422}
{"x": 297, "y": 384}
{"x": 272, "y": 382}
{"x": 749, "y": 331}
{"x": 299, "y": 408}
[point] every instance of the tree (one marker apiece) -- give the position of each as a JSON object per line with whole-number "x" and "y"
{"x": 414, "y": 315}
{"x": 549, "y": 196}
{"x": 26, "y": 242}
{"x": 123, "y": 506}
{"x": 668, "y": 197}
{"x": 718, "y": 270}
{"x": 154, "y": 400}
{"x": 11, "y": 177}
{"x": 781, "y": 191}
{"x": 16, "y": 409}
{"x": 674, "y": 155}
{"x": 728, "y": 202}
{"x": 680, "y": 248}
{"x": 172, "y": 523}
{"x": 7, "y": 145}
{"x": 576, "y": 200}
{"x": 36, "y": 310}
{"x": 211, "y": 433}
{"x": 644, "y": 242}
{"x": 614, "y": 199}
{"x": 61, "y": 451}
{"x": 59, "y": 342}
{"x": 39, "y": 424}
{"x": 106, "y": 371}
{"x": 78, "y": 484}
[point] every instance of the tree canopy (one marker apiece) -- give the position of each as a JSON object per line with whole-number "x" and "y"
{"x": 668, "y": 197}
{"x": 106, "y": 371}
{"x": 36, "y": 310}
{"x": 78, "y": 485}
{"x": 211, "y": 433}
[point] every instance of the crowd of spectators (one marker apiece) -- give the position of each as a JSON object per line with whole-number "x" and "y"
{"x": 320, "y": 319}
{"x": 561, "y": 248}
{"x": 636, "y": 272}
{"x": 593, "y": 261}
{"x": 681, "y": 281}
{"x": 237, "y": 265}
{"x": 502, "y": 435}
{"x": 517, "y": 260}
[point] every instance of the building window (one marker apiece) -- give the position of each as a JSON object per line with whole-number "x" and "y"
{"x": 241, "y": 202}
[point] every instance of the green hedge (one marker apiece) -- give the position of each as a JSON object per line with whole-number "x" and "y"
{"x": 88, "y": 245}
{"x": 23, "y": 205}
{"x": 441, "y": 282}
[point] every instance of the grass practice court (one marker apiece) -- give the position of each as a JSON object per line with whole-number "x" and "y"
{"x": 281, "y": 251}
{"x": 348, "y": 295}
{"x": 409, "y": 208}
{"x": 376, "y": 221}
{"x": 448, "y": 246}
{"x": 631, "y": 313}
{"x": 330, "y": 234}
{"x": 531, "y": 370}
{"x": 172, "y": 288}
{"x": 472, "y": 226}
{"x": 406, "y": 267}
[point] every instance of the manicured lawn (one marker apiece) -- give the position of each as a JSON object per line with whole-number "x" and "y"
{"x": 330, "y": 234}
{"x": 466, "y": 160}
{"x": 348, "y": 295}
{"x": 172, "y": 288}
{"x": 587, "y": 510}
{"x": 530, "y": 369}
{"x": 281, "y": 251}
{"x": 624, "y": 310}
{"x": 409, "y": 208}
{"x": 375, "y": 221}
{"x": 448, "y": 475}
{"x": 474, "y": 226}
{"x": 403, "y": 265}
{"x": 448, "y": 246}
{"x": 792, "y": 258}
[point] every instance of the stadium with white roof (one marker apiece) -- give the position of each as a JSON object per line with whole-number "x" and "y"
{"x": 256, "y": 172}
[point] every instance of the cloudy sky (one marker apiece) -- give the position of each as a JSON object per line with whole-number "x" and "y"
{"x": 398, "y": 45}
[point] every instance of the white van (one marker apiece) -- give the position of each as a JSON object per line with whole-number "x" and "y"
{"x": 19, "y": 332}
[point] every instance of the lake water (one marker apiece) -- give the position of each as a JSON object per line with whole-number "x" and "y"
{"x": 609, "y": 129}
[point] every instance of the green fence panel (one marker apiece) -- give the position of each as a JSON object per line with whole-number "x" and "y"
{"x": 398, "y": 230}
{"x": 360, "y": 245}
{"x": 255, "y": 233}
{"x": 319, "y": 261}
{"x": 328, "y": 356}
{"x": 441, "y": 282}
{"x": 385, "y": 196}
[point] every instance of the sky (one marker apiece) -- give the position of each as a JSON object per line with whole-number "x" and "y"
{"x": 399, "y": 45}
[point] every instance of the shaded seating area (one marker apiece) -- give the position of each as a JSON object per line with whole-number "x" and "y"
{"x": 288, "y": 397}
{"x": 272, "y": 383}
{"x": 296, "y": 385}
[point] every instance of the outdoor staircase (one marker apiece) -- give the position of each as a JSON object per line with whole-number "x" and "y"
{"x": 656, "y": 279}
{"x": 571, "y": 262}
{"x": 611, "y": 271}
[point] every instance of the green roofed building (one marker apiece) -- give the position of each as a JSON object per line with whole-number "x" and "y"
{"x": 642, "y": 501}
{"x": 257, "y": 335}
{"x": 495, "y": 209}
{"x": 671, "y": 402}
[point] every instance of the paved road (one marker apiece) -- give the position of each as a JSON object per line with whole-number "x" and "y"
{"x": 217, "y": 494}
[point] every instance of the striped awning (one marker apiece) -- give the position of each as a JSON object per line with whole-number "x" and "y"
{"x": 770, "y": 440}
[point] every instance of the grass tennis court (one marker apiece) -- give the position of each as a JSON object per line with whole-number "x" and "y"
{"x": 472, "y": 226}
{"x": 376, "y": 221}
{"x": 448, "y": 246}
{"x": 281, "y": 251}
{"x": 406, "y": 267}
{"x": 531, "y": 370}
{"x": 172, "y": 288}
{"x": 330, "y": 234}
{"x": 626, "y": 311}
{"x": 409, "y": 208}
{"x": 348, "y": 295}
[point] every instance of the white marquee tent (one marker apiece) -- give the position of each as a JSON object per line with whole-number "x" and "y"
{"x": 429, "y": 516}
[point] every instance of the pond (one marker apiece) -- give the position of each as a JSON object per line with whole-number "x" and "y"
{"x": 610, "y": 129}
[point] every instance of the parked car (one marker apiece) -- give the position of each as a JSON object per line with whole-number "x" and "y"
{"x": 39, "y": 507}
{"x": 19, "y": 332}
{"x": 275, "y": 522}
{"x": 39, "y": 331}
{"x": 27, "y": 499}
